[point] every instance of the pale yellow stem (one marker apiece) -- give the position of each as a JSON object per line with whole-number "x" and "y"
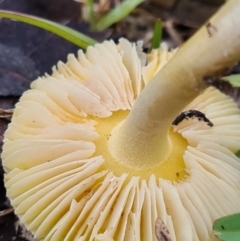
{"x": 142, "y": 140}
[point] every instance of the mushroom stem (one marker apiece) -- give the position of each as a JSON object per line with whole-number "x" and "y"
{"x": 142, "y": 139}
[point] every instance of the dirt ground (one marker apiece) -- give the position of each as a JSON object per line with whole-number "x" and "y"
{"x": 27, "y": 52}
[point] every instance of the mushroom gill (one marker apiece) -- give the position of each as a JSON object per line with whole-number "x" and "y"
{"x": 65, "y": 184}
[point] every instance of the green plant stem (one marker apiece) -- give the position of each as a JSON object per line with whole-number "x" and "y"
{"x": 69, "y": 34}
{"x": 117, "y": 14}
{"x": 157, "y": 34}
{"x": 213, "y": 49}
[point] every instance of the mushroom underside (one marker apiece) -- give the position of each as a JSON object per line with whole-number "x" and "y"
{"x": 57, "y": 184}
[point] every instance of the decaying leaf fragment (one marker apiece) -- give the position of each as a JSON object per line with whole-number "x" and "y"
{"x": 161, "y": 231}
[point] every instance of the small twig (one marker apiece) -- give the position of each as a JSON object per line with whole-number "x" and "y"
{"x": 169, "y": 26}
{"x": 6, "y": 211}
{"x": 6, "y": 113}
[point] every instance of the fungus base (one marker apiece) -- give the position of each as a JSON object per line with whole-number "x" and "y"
{"x": 172, "y": 168}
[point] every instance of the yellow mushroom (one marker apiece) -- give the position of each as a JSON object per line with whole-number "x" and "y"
{"x": 85, "y": 159}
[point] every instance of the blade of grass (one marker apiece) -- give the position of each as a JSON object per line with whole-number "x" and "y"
{"x": 90, "y": 11}
{"x": 234, "y": 79}
{"x": 228, "y": 228}
{"x": 67, "y": 33}
{"x": 117, "y": 14}
{"x": 157, "y": 34}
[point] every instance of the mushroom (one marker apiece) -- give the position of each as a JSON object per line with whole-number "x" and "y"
{"x": 86, "y": 160}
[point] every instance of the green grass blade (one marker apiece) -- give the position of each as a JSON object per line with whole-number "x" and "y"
{"x": 117, "y": 14}
{"x": 67, "y": 33}
{"x": 157, "y": 34}
{"x": 90, "y": 16}
{"x": 228, "y": 228}
{"x": 234, "y": 79}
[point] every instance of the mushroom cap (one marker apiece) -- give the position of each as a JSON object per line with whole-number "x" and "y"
{"x": 57, "y": 179}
